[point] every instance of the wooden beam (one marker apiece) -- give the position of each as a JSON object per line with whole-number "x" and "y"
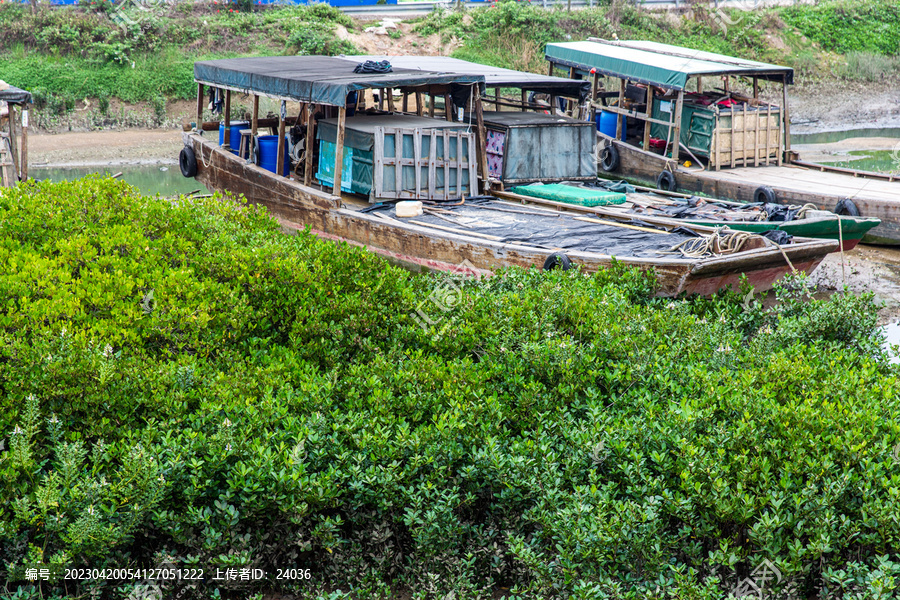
{"x": 390, "y": 99}
{"x": 310, "y": 137}
{"x": 339, "y": 150}
{"x": 448, "y": 107}
{"x": 481, "y": 145}
{"x": 254, "y": 124}
{"x": 199, "y": 105}
{"x": 431, "y": 98}
{"x": 419, "y": 107}
{"x": 405, "y": 102}
{"x": 677, "y": 141}
{"x": 756, "y": 88}
{"x": 226, "y": 142}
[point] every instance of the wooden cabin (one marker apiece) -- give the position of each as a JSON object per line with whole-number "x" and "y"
{"x": 14, "y": 104}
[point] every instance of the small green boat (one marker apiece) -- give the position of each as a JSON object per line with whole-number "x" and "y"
{"x": 800, "y": 221}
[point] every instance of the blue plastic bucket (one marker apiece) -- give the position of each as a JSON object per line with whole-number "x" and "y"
{"x": 235, "y": 138}
{"x": 606, "y": 124}
{"x": 268, "y": 153}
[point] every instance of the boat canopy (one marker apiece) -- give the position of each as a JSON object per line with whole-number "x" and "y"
{"x": 657, "y": 64}
{"x": 316, "y": 79}
{"x": 494, "y": 77}
{"x": 14, "y": 95}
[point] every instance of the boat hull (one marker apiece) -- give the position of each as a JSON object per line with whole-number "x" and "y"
{"x": 298, "y": 206}
{"x": 874, "y": 198}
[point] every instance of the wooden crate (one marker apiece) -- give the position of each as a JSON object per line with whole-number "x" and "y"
{"x": 744, "y": 138}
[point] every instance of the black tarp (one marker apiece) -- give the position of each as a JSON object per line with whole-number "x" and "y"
{"x": 494, "y": 77}
{"x": 551, "y": 230}
{"x": 14, "y": 95}
{"x": 316, "y": 79}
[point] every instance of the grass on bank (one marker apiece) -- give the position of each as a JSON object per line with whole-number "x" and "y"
{"x": 181, "y": 382}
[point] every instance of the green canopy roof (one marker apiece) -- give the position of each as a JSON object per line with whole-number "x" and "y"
{"x": 657, "y": 64}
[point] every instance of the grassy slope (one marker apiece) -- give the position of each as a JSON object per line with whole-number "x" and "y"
{"x": 75, "y": 53}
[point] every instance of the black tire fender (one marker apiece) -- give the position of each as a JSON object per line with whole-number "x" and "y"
{"x": 609, "y": 158}
{"x": 764, "y": 194}
{"x": 559, "y": 260}
{"x": 187, "y": 160}
{"x": 846, "y": 208}
{"x": 666, "y": 181}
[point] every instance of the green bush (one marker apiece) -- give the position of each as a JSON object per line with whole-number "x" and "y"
{"x": 842, "y": 26}
{"x": 182, "y": 382}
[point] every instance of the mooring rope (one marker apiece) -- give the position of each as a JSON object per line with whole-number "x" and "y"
{"x": 714, "y": 243}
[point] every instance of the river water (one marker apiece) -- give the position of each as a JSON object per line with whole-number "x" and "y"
{"x": 165, "y": 180}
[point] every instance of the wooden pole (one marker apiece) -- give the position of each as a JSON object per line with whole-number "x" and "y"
{"x": 419, "y": 107}
{"x": 756, "y": 88}
{"x": 448, "y": 107}
{"x": 199, "y": 106}
{"x": 524, "y": 100}
{"x": 481, "y": 145}
{"x": 699, "y": 85}
{"x": 787, "y": 120}
{"x": 677, "y": 141}
{"x": 431, "y": 98}
{"x": 226, "y": 142}
{"x": 279, "y": 164}
{"x": 25, "y": 125}
{"x": 254, "y": 123}
{"x": 390, "y": 99}
{"x": 621, "y": 106}
{"x": 649, "y": 113}
{"x": 339, "y": 150}
{"x": 310, "y": 140}
{"x": 550, "y": 69}
{"x": 405, "y": 102}
{"x": 13, "y": 142}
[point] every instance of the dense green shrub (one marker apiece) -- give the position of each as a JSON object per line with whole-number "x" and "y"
{"x": 181, "y": 382}
{"x": 844, "y": 26}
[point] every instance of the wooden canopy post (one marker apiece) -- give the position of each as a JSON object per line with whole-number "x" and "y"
{"x": 679, "y": 105}
{"x": 390, "y": 99}
{"x": 595, "y": 85}
{"x": 310, "y": 140}
{"x": 24, "y": 143}
{"x": 785, "y": 115}
{"x": 448, "y": 107}
{"x": 524, "y": 100}
{"x": 279, "y": 159}
{"x": 226, "y": 142}
{"x": 431, "y": 98}
{"x": 419, "y": 107}
{"x": 649, "y": 113}
{"x": 756, "y": 88}
{"x": 481, "y": 146}
{"x": 620, "y": 106}
{"x": 699, "y": 85}
{"x": 405, "y": 103}
{"x": 13, "y": 142}
{"x": 200, "y": 107}
{"x": 550, "y": 69}
{"x": 339, "y": 150}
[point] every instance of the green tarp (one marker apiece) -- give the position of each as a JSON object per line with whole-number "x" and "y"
{"x": 657, "y": 64}
{"x": 570, "y": 194}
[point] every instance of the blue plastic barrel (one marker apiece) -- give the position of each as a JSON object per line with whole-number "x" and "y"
{"x": 606, "y": 124}
{"x": 235, "y": 139}
{"x": 268, "y": 153}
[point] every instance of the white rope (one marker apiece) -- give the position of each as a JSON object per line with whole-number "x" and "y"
{"x": 708, "y": 245}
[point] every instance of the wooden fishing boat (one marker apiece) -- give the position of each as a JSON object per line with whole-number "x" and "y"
{"x": 718, "y": 140}
{"x": 441, "y": 161}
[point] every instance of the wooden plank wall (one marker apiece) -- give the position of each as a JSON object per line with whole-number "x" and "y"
{"x": 747, "y": 138}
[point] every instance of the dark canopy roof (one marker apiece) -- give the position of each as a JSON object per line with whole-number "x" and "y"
{"x": 657, "y": 64}
{"x": 15, "y": 96}
{"x": 316, "y": 79}
{"x": 493, "y": 76}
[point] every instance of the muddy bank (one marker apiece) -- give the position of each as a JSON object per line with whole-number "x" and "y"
{"x": 105, "y": 148}
{"x": 874, "y": 269}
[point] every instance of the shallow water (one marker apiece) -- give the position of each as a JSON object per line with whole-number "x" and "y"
{"x": 828, "y": 137}
{"x": 149, "y": 179}
{"x": 892, "y": 335}
{"x": 880, "y": 161}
